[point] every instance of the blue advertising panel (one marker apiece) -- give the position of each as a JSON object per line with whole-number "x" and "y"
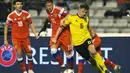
{"x": 115, "y": 48}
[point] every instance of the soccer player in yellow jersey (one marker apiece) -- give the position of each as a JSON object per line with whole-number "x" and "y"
{"x": 81, "y": 37}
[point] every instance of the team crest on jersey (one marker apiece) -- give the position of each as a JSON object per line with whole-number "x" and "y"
{"x": 55, "y": 15}
{"x": 7, "y": 55}
{"x": 24, "y": 18}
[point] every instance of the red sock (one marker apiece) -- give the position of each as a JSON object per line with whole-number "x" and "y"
{"x": 108, "y": 62}
{"x": 30, "y": 65}
{"x": 80, "y": 67}
{"x": 22, "y": 66}
{"x": 71, "y": 65}
{"x": 59, "y": 59}
{"x": 70, "y": 62}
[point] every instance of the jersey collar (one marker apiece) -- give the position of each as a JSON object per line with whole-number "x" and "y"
{"x": 17, "y": 13}
{"x": 79, "y": 16}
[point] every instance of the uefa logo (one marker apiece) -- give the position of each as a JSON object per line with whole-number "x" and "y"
{"x": 7, "y": 55}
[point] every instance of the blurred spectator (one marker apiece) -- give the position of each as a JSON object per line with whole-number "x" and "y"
{"x": 89, "y": 2}
{"x": 74, "y": 5}
{"x": 5, "y": 8}
{"x": 104, "y": 2}
{"x": 127, "y": 4}
{"x": 34, "y": 5}
{"x": 63, "y": 3}
{"x": 25, "y": 7}
{"x": 122, "y": 5}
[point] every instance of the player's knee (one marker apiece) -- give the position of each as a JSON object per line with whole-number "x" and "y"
{"x": 29, "y": 55}
{"x": 92, "y": 49}
{"x": 69, "y": 55}
{"x": 93, "y": 53}
{"x": 53, "y": 50}
{"x": 19, "y": 53}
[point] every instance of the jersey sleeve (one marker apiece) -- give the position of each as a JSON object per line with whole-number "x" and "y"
{"x": 29, "y": 19}
{"x": 64, "y": 12}
{"x": 67, "y": 20}
{"x": 9, "y": 20}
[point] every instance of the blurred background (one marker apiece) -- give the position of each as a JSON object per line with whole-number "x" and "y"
{"x": 106, "y": 16}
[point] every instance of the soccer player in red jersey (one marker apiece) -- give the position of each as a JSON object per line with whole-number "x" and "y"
{"x": 20, "y": 21}
{"x": 55, "y": 15}
{"x": 97, "y": 44}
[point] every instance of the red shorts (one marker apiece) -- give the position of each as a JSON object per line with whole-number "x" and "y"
{"x": 97, "y": 43}
{"x": 22, "y": 44}
{"x": 63, "y": 42}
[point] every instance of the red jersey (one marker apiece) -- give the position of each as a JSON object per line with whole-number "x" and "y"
{"x": 57, "y": 14}
{"x": 20, "y": 24}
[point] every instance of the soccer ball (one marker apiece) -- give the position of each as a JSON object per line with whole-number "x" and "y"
{"x": 68, "y": 71}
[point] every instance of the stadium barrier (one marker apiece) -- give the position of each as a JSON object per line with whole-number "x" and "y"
{"x": 115, "y": 48}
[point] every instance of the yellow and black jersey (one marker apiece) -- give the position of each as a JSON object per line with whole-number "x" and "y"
{"x": 78, "y": 28}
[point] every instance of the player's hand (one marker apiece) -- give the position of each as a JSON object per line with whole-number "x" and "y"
{"x": 5, "y": 42}
{"x": 93, "y": 40}
{"x": 54, "y": 40}
{"x": 37, "y": 37}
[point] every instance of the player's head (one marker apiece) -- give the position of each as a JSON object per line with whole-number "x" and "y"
{"x": 18, "y": 4}
{"x": 83, "y": 9}
{"x": 49, "y": 5}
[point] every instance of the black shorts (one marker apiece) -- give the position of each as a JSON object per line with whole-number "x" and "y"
{"x": 83, "y": 49}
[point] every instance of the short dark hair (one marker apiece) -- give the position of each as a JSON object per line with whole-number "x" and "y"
{"x": 84, "y": 5}
{"x": 51, "y": 1}
{"x": 17, "y": 1}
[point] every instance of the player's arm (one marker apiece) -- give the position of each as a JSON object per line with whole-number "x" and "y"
{"x": 44, "y": 26}
{"x": 32, "y": 26}
{"x": 5, "y": 34}
{"x": 93, "y": 34}
{"x": 61, "y": 28}
{"x": 8, "y": 23}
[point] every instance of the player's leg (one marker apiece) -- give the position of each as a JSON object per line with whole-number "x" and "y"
{"x": 55, "y": 53}
{"x": 113, "y": 65}
{"x": 68, "y": 49}
{"x": 108, "y": 62}
{"x": 70, "y": 60}
{"x": 96, "y": 56}
{"x": 93, "y": 62}
{"x": 85, "y": 54}
{"x": 17, "y": 45}
{"x": 69, "y": 55}
{"x": 28, "y": 51}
